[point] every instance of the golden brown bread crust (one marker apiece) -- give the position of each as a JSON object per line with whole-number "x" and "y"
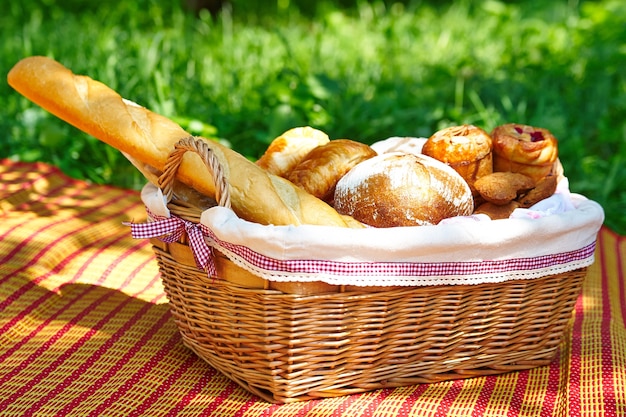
{"x": 529, "y": 150}
{"x": 304, "y": 288}
{"x": 148, "y": 137}
{"x": 180, "y": 191}
{"x": 93, "y": 108}
{"x": 288, "y": 149}
{"x": 466, "y": 148}
{"x": 543, "y": 189}
{"x": 321, "y": 168}
{"x": 503, "y": 187}
{"x": 497, "y": 211}
{"x": 400, "y": 189}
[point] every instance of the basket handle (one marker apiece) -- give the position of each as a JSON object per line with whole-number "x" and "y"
{"x": 201, "y": 148}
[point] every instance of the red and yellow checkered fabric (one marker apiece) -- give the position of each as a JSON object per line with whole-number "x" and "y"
{"x": 85, "y": 328}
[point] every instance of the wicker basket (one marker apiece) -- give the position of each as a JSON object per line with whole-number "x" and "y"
{"x": 287, "y": 347}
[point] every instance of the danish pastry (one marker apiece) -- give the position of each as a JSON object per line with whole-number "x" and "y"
{"x": 528, "y": 150}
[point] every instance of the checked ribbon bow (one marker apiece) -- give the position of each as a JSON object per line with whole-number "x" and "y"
{"x": 171, "y": 229}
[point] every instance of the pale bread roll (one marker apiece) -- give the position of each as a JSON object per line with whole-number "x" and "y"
{"x": 289, "y": 149}
{"x": 149, "y": 138}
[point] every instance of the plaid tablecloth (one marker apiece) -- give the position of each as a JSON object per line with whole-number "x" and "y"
{"x": 85, "y": 327}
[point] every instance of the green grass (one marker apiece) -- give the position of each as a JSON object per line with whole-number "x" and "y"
{"x": 360, "y": 70}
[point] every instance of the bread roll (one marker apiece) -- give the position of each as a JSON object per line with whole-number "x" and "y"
{"x": 528, "y": 150}
{"x": 398, "y": 189}
{"x": 543, "y": 189}
{"x": 149, "y": 138}
{"x": 497, "y": 211}
{"x": 503, "y": 187}
{"x": 287, "y": 150}
{"x": 466, "y": 148}
{"x": 321, "y": 168}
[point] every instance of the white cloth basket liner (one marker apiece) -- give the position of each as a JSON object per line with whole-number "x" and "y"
{"x": 455, "y": 253}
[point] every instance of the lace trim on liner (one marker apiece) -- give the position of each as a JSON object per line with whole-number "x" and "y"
{"x": 401, "y": 273}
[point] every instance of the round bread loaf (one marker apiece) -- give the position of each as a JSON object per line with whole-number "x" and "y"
{"x": 400, "y": 189}
{"x": 319, "y": 171}
{"x": 529, "y": 150}
{"x": 466, "y": 148}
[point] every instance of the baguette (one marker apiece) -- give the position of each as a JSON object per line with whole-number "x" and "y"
{"x": 147, "y": 137}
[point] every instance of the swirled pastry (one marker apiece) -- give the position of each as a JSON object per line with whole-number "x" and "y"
{"x": 528, "y": 150}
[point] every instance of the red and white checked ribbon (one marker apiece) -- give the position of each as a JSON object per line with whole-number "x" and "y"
{"x": 422, "y": 273}
{"x": 202, "y": 240}
{"x": 171, "y": 229}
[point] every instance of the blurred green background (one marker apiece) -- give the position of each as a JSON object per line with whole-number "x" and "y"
{"x": 246, "y": 71}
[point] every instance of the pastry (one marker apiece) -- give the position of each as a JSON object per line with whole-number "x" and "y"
{"x": 544, "y": 189}
{"x": 467, "y": 149}
{"x": 288, "y": 149}
{"x": 497, "y": 211}
{"x": 321, "y": 168}
{"x": 503, "y": 187}
{"x": 528, "y": 150}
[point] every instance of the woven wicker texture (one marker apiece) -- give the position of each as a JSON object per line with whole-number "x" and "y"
{"x": 85, "y": 328}
{"x": 285, "y": 346}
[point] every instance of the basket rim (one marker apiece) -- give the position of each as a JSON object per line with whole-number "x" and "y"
{"x": 408, "y": 256}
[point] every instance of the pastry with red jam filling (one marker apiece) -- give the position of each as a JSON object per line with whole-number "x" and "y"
{"x": 528, "y": 150}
